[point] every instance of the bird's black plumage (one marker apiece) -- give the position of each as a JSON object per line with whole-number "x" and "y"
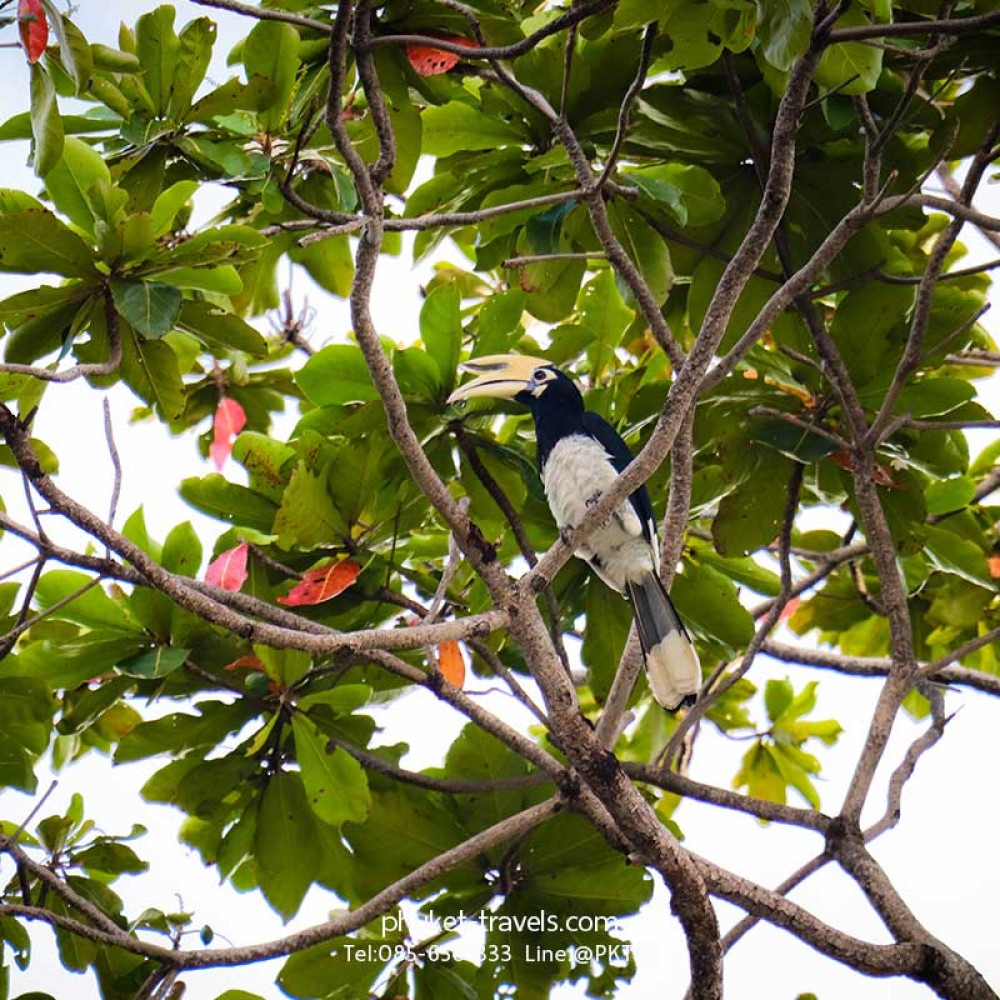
{"x": 579, "y": 457}
{"x": 559, "y": 412}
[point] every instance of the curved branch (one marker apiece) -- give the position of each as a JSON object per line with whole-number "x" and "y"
{"x": 580, "y": 12}
{"x": 89, "y": 370}
{"x": 807, "y": 819}
{"x": 341, "y": 924}
{"x": 267, "y": 14}
{"x": 903, "y": 29}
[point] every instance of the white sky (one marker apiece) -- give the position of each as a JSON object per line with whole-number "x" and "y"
{"x": 940, "y": 856}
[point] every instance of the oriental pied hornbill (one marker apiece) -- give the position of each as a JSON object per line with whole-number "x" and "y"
{"x": 579, "y": 456}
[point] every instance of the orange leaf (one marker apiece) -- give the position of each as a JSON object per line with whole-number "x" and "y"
{"x": 429, "y": 61}
{"x": 34, "y": 28}
{"x": 883, "y": 477}
{"x": 451, "y": 663}
{"x": 248, "y": 662}
{"x": 790, "y": 608}
{"x": 230, "y": 419}
{"x": 319, "y": 585}
{"x": 994, "y": 565}
{"x": 229, "y": 569}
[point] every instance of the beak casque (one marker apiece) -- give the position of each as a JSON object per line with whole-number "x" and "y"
{"x": 500, "y": 375}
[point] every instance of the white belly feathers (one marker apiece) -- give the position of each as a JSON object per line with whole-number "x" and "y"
{"x": 576, "y": 472}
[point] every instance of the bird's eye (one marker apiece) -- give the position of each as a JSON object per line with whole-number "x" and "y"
{"x": 540, "y": 374}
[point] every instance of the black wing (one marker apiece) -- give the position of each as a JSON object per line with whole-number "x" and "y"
{"x": 597, "y": 427}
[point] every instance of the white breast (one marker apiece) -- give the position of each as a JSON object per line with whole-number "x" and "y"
{"x": 578, "y": 470}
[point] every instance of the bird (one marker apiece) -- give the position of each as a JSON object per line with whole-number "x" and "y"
{"x": 579, "y": 456}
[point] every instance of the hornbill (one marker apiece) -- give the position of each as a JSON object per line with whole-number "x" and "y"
{"x": 579, "y": 456}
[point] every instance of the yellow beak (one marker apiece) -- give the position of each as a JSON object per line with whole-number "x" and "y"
{"x": 500, "y": 375}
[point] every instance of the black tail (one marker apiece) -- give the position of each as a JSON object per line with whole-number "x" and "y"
{"x": 671, "y": 661}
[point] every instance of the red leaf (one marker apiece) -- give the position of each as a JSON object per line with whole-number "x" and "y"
{"x": 428, "y": 61}
{"x": 451, "y": 663}
{"x": 229, "y": 570}
{"x": 321, "y": 584}
{"x": 230, "y": 419}
{"x": 34, "y": 28}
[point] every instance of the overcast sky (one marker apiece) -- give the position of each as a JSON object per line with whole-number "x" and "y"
{"x": 940, "y": 856}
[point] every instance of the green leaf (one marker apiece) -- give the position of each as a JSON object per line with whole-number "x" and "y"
{"x": 92, "y": 608}
{"x": 15, "y": 766}
{"x": 266, "y": 461}
{"x": 181, "y": 731}
{"x": 33, "y": 240}
{"x": 709, "y": 601}
{"x": 441, "y": 331}
{"x": 110, "y": 858}
{"x": 952, "y": 554}
{"x": 310, "y": 972}
{"x": 115, "y": 60}
{"x": 750, "y": 516}
{"x": 220, "y": 330}
{"x": 41, "y": 302}
{"x": 307, "y": 516}
{"x": 271, "y": 51}
{"x": 867, "y": 325}
{"x": 158, "y": 47}
{"x": 778, "y": 695}
{"x": 74, "y": 52}
{"x": 216, "y": 496}
{"x": 945, "y": 495}
{"x": 157, "y": 662}
{"x": 193, "y": 56}
{"x": 149, "y": 368}
{"x": 70, "y": 180}
{"x": 222, "y": 245}
{"x": 604, "y": 637}
{"x": 150, "y": 307}
{"x": 168, "y": 204}
{"x": 699, "y": 31}
{"x": 499, "y": 322}
{"x": 687, "y": 192}
{"x": 760, "y": 774}
{"x": 477, "y": 756}
{"x": 544, "y": 229}
{"x": 329, "y": 264}
{"x": 417, "y": 374}
{"x": 637, "y": 13}
{"x": 287, "y": 849}
{"x": 794, "y": 442}
{"x": 934, "y": 397}
{"x": 603, "y": 311}
{"x": 646, "y": 249}
{"x": 784, "y": 28}
{"x": 46, "y": 125}
{"x": 19, "y": 126}
{"x": 852, "y": 67}
{"x": 26, "y": 708}
{"x": 456, "y": 127}
{"x": 336, "y": 374}
{"x": 405, "y": 828}
{"x": 224, "y": 280}
{"x": 341, "y": 700}
{"x": 334, "y": 782}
